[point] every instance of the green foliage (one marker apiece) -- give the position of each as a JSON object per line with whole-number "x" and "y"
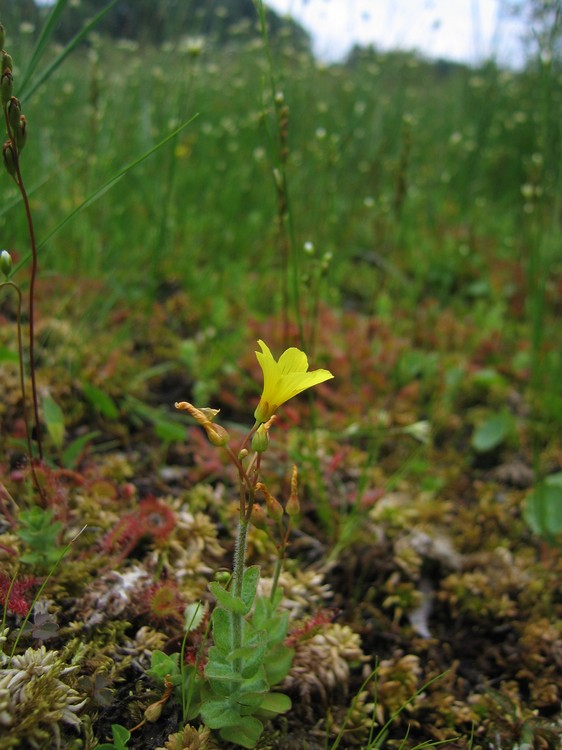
{"x": 54, "y": 419}
{"x": 247, "y": 659}
{"x": 153, "y": 21}
{"x": 234, "y": 695}
{"x": 40, "y": 533}
{"x": 121, "y": 737}
{"x": 492, "y": 432}
{"x": 186, "y": 680}
{"x": 543, "y": 509}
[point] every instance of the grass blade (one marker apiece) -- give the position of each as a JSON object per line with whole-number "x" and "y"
{"x": 26, "y": 90}
{"x": 105, "y": 188}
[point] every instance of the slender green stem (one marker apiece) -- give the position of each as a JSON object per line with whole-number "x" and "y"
{"x": 31, "y": 306}
{"x": 21, "y": 366}
{"x": 276, "y": 573}
{"x": 18, "y": 179}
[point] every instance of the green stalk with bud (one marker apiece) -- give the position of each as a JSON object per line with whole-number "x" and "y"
{"x": 16, "y": 131}
{"x": 249, "y": 657}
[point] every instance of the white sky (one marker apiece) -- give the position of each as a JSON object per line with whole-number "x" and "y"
{"x": 462, "y": 30}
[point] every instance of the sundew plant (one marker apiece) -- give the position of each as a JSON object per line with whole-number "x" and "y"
{"x": 206, "y": 543}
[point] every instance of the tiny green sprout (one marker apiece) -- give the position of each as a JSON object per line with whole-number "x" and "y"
{"x": 6, "y": 263}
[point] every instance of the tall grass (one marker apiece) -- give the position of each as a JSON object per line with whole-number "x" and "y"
{"x": 411, "y": 175}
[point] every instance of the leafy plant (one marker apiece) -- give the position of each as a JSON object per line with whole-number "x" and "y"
{"x": 543, "y": 509}
{"x": 247, "y": 659}
{"x": 121, "y": 737}
{"x": 492, "y": 432}
{"x": 40, "y": 533}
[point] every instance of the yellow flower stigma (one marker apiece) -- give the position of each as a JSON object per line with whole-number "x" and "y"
{"x": 284, "y": 379}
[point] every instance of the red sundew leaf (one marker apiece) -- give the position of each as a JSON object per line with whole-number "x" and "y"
{"x": 17, "y": 602}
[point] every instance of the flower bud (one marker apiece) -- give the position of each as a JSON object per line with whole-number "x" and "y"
{"x": 14, "y": 113}
{"x": 6, "y": 85}
{"x": 152, "y": 713}
{"x": 274, "y": 507}
{"x": 6, "y": 263}
{"x": 217, "y": 435}
{"x": 7, "y": 62}
{"x": 1, "y": 36}
{"x": 10, "y": 159}
{"x": 293, "y": 506}
{"x": 258, "y": 517}
{"x": 260, "y": 440}
{"x": 21, "y": 133}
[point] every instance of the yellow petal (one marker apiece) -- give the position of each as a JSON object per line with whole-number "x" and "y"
{"x": 292, "y": 360}
{"x": 284, "y": 379}
{"x": 292, "y": 385}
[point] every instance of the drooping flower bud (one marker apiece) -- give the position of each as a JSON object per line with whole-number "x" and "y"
{"x": 217, "y": 435}
{"x": 293, "y": 506}
{"x": 6, "y": 263}
{"x": 274, "y": 507}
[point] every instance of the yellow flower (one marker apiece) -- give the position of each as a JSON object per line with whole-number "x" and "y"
{"x": 284, "y": 379}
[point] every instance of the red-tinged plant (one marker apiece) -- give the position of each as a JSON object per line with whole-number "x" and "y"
{"x": 153, "y": 520}
{"x": 163, "y": 603}
{"x": 310, "y": 627}
{"x": 14, "y": 598}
